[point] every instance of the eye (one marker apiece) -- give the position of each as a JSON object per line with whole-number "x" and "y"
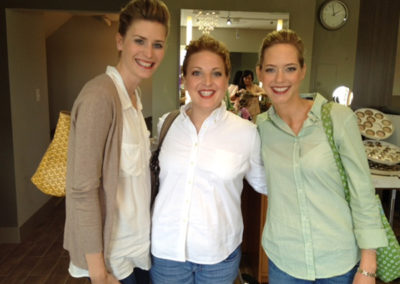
{"x": 291, "y": 68}
{"x": 196, "y": 73}
{"x": 217, "y": 73}
{"x": 158, "y": 45}
{"x": 270, "y": 70}
{"x": 139, "y": 41}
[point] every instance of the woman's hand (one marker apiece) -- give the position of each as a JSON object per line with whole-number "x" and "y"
{"x": 108, "y": 279}
{"x": 368, "y": 264}
{"x": 97, "y": 270}
{"x": 362, "y": 279}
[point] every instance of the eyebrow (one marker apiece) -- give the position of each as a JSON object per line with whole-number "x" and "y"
{"x": 143, "y": 37}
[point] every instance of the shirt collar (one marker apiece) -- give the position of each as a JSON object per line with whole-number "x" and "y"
{"x": 122, "y": 92}
{"x": 315, "y": 112}
{"x": 216, "y": 115}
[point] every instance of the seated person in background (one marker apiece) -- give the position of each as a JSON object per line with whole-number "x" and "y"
{"x": 244, "y": 101}
{"x": 248, "y": 85}
{"x": 234, "y": 87}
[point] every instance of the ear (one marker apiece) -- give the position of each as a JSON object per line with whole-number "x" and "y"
{"x": 258, "y": 72}
{"x": 303, "y": 71}
{"x": 119, "y": 39}
{"x": 184, "y": 83}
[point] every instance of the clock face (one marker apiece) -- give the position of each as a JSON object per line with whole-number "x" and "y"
{"x": 333, "y": 14}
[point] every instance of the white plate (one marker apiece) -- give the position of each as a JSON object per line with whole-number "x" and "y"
{"x": 374, "y": 124}
{"x": 382, "y": 152}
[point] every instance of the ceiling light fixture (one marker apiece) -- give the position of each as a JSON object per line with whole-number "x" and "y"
{"x": 228, "y": 21}
{"x": 206, "y": 20}
{"x": 279, "y": 24}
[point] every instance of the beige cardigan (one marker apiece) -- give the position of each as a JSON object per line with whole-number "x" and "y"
{"x": 92, "y": 169}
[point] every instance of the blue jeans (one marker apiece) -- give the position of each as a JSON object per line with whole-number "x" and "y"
{"x": 165, "y": 271}
{"x": 277, "y": 276}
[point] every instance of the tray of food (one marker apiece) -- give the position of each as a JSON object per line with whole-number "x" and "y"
{"x": 384, "y": 170}
{"x": 374, "y": 124}
{"x": 382, "y": 152}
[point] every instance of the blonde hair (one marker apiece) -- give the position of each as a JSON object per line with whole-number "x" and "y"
{"x": 283, "y": 36}
{"x": 208, "y": 43}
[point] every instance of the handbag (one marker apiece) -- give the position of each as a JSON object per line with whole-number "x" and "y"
{"x": 154, "y": 162}
{"x": 51, "y": 173}
{"x": 387, "y": 258}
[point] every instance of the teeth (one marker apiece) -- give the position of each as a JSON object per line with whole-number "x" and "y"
{"x": 206, "y": 93}
{"x": 144, "y": 64}
{"x": 282, "y": 89}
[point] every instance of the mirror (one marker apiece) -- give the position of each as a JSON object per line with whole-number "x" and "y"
{"x": 241, "y": 32}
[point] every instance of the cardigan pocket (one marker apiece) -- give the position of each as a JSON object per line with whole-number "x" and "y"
{"x": 131, "y": 161}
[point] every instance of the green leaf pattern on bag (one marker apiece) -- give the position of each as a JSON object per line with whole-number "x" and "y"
{"x": 388, "y": 258}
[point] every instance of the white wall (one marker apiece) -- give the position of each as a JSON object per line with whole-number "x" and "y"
{"x": 30, "y": 117}
{"x": 334, "y": 53}
{"x": 78, "y": 51}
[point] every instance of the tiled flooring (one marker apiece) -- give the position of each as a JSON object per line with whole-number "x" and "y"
{"x": 41, "y": 258}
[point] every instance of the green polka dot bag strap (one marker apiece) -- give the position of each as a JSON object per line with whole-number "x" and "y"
{"x": 388, "y": 258}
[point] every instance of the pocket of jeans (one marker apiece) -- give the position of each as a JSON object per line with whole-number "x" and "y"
{"x": 235, "y": 255}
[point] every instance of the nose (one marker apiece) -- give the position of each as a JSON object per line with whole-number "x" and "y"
{"x": 148, "y": 50}
{"x": 207, "y": 79}
{"x": 279, "y": 75}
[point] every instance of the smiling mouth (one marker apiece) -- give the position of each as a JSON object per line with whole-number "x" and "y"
{"x": 280, "y": 90}
{"x": 206, "y": 94}
{"x": 144, "y": 64}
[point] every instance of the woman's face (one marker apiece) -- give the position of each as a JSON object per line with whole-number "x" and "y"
{"x": 142, "y": 49}
{"x": 280, "y": 73}
{"x": 248, "y": 80}
{"x": 206, "y": 80}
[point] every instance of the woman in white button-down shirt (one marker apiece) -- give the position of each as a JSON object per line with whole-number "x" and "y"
{"x": 197, "y": 221}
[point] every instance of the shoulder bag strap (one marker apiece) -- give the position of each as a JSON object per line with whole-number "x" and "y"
{"x": 328, "y": 127}
{"x": 166, "y": 125}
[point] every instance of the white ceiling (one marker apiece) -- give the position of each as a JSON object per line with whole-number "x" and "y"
{"x": 241, "y": 19}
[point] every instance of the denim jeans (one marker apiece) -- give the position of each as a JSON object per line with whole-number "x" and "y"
{"x": 165, "y": 271}
{"x": 277, "y": 276}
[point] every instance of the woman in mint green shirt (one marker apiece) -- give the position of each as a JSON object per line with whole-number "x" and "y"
{"x": 311, "y": 235}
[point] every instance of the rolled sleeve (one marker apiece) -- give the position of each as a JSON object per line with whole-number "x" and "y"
{"x": 368, "y": 227}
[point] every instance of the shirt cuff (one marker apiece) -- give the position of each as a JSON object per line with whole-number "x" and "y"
{"x": 371, "y": 238}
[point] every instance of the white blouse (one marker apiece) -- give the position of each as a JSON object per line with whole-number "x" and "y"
{"x": 197, "y": 215}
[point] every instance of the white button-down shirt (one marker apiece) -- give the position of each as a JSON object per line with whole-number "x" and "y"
{"x": 197, "y": 215}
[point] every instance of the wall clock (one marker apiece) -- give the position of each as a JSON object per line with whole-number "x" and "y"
{"x": 333, "y": 14}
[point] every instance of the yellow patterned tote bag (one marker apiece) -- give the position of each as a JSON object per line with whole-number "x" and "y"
{"x": 51, "y": 172}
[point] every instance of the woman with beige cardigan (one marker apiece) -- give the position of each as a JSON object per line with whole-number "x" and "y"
{"x": 107, "y": 229}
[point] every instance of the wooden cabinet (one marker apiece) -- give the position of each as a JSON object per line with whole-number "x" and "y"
{"x": 254, "y": 210}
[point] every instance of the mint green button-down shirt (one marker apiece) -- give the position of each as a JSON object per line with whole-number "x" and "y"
{"x": 310, "y": 230}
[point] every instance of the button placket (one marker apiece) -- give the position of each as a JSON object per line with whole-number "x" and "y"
{"x": 302, "y": 199}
